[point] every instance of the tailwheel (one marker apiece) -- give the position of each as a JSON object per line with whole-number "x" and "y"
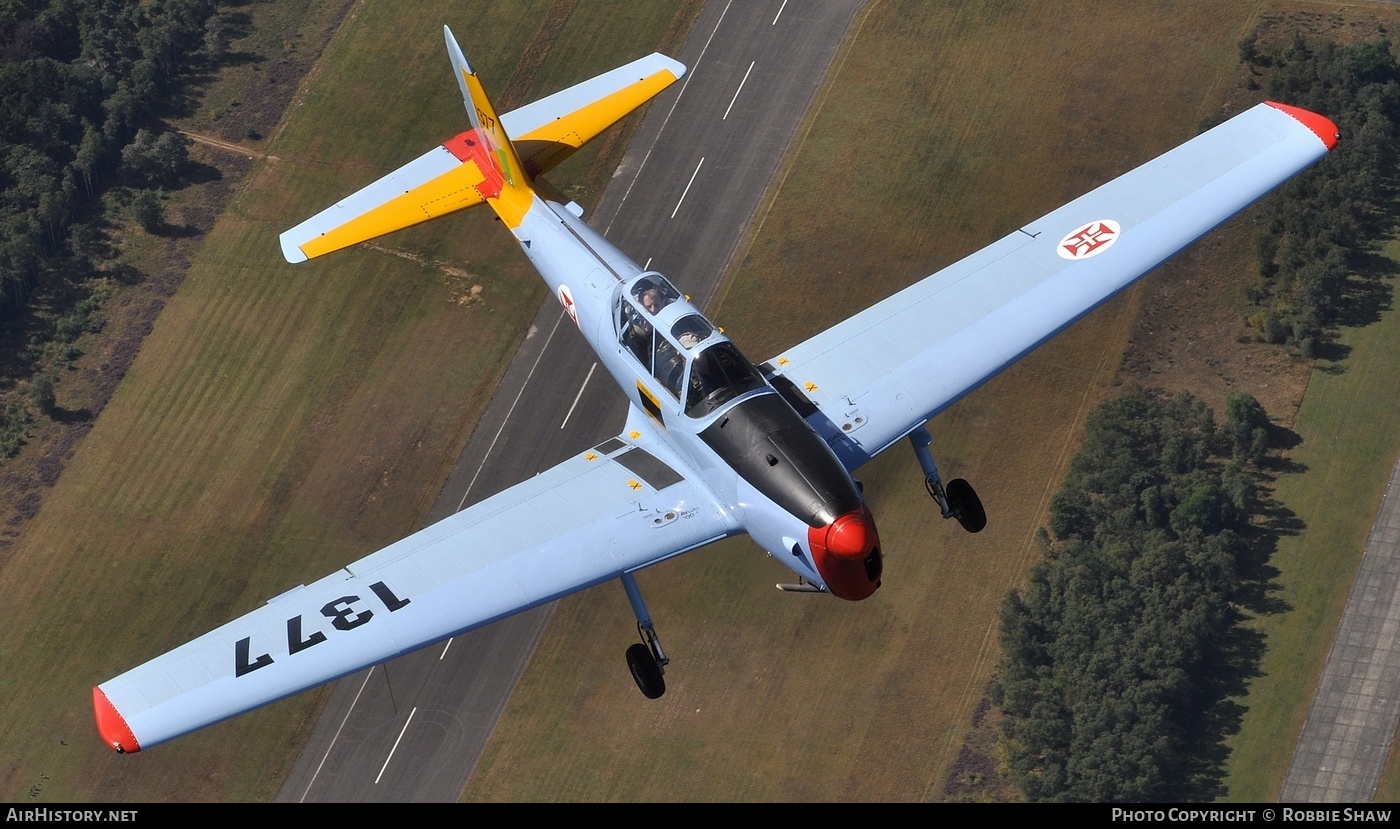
{"x": 965, "y": 506}
{"x": 645, "y": 671}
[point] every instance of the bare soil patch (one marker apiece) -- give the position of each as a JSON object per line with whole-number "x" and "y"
{"x": 1190, "y": 333}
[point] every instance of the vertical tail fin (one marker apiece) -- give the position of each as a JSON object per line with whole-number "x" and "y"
{"x": 495, "y": 152}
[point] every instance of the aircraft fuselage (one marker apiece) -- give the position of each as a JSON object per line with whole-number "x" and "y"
{"x": 711, "y": 406}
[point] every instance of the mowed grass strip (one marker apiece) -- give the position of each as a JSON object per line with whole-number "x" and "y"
{"x": 280, "y": 421}
{"x": 942, "y": 128}
{"x": 1349, "y": 423}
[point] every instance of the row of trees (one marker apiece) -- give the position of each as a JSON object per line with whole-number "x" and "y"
{"x": 1314, "y": 234}
{"x": 1108, "y": 653}
{"x": 82, "y": 83}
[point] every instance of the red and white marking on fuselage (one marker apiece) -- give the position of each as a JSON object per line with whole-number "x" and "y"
{"x": 566, "y": 299}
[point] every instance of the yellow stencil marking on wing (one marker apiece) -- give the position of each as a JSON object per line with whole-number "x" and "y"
{"x": 452, "y": 191}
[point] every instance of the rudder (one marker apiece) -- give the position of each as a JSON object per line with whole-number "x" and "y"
{"x": 495, "y": 152}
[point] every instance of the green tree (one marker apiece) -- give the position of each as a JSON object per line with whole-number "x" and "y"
{"x": 148, "y": 212}
{"x": 1247, "y": 427}
{"x": 1314, "y": 232}
{"x": 1104, "y": 651}
{"x": 156, "y": 159}
{"x": 43, "y": 393}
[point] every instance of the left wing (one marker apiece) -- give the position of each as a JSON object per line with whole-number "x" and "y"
{"x": 612, "y": 509}
{"x": 872, "y": 379}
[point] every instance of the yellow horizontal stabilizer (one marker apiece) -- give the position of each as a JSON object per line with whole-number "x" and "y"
{"x": 453, "y": 190}
{"x": 468, "y": 170}
{"x": 543, "y": 148}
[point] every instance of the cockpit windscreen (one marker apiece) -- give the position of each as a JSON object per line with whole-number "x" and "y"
{"x": 717, "y": 375}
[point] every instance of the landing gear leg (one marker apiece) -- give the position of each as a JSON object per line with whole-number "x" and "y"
{"x": 958, "y": 500}
{"x": 646, "y": 660}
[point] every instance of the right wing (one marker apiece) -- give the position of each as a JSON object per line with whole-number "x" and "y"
{"x": 873, "y": 378}
{"x": 449, "y": 177}
{"x": 613, "y": 509}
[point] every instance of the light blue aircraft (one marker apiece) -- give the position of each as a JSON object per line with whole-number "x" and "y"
{"x": 714, "y": 444}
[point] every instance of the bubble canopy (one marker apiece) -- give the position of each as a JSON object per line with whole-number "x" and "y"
{"x": 685, "y": 352}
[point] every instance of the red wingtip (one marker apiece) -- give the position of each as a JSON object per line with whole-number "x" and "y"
{"x": 1321, "y": 126}
{"x": 114, "y": 730}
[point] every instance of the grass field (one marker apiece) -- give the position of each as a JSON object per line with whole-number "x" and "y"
{"x": 282, "y": 421}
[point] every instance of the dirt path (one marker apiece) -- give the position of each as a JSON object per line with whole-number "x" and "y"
{"x": 226, "y": 146}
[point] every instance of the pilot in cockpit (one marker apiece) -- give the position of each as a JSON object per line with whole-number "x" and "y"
{"x": 654, "y": 293}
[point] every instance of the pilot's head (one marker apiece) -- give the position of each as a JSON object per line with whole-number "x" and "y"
{"x": 651, "y": 300}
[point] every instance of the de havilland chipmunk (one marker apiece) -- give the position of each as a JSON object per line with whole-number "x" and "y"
{"x": 714, "y": 445}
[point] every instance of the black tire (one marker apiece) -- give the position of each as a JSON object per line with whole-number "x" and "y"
{"x": 645, "y": 672}
{"x": 966, "y": 506}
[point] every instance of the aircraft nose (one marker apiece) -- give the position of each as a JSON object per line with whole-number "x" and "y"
{"x": 849, "y": 535}
{"x": 847, "y": 554}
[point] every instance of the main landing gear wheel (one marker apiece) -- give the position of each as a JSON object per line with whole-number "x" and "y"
{"x": 956, "y": 500}
{"x": 646, "y": 660}
{"x": 645, "y": 672}
{"x": 965, "y": 505}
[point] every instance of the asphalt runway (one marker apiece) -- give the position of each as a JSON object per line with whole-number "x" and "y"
{"x": 1356, "y": 707}
{"x": 412, "y": 730}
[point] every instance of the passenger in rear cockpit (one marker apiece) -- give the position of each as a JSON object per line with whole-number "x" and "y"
{"x": 637, "y": 337}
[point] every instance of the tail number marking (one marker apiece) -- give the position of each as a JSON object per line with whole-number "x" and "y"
{"x": 342, "y": 612}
